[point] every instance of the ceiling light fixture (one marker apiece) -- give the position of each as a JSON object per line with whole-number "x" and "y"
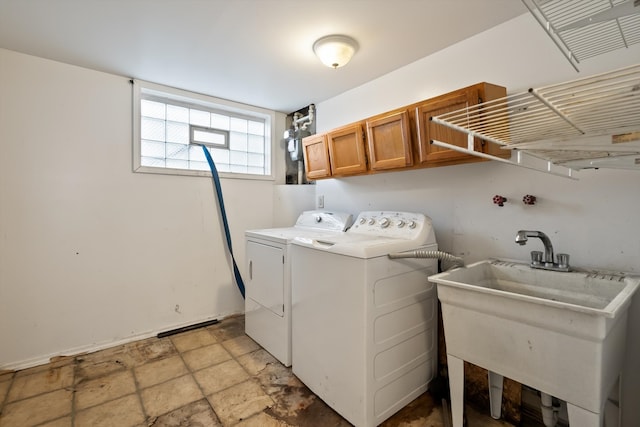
{"x": 335, "y": 51}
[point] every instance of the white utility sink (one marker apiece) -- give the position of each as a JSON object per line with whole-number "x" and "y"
{"x": 562, "y": 333}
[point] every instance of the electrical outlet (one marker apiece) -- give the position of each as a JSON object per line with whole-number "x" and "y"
{"x": 320, "y": 202}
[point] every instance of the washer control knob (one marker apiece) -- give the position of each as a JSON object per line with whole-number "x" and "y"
{"x": 363, "y": 220}
{"x": 412, "y": 224}
{"x": 372, "y": 221}
{"x": 318, "y": 218}
{"x": 384, "y": 222}
{"x": 401, "y": 224}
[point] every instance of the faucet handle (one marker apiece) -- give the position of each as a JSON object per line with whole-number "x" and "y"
{"x": 563, "y": 260}
{"x": 536, "y": 257}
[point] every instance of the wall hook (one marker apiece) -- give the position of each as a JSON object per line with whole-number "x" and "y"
{"x": 499, "y": 200}
{"x": 529, "y": 199}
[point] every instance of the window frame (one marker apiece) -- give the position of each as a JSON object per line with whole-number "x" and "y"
{"x": 183, "y": 97}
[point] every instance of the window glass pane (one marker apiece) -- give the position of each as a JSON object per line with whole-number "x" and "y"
{"x": 178, "y": 132}
{"x": 256, "y": 144}
{"x": 238, "y": 158}
{"x": 238, "y": 125}
{"x": 209, "y": 137}
{"x": 152, "y": 109}
{"x": 218, "y": 121}
{"x": 177, "y": 151}
{"x": 199, "y": 166}
{"x": 177, "y": 164}
{"x": 196, "y": 153}
{"x": 152, "y": 149}
{"x": 152, "y": 129}
{"x": 256, "y": 128}
{"x": 219, "y": 156}
{"x": 223, "y": 167}
{"x": 238, "y": 141}
{"x": 237, "y": 168}
{"x": 177, "y": 114}
{"x": 199, "y": 118}
{"x": 255, "y": 160}
{"x": 255, "y": 170}
{"x": 152, "y": 162}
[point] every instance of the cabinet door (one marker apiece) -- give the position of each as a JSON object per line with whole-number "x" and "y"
{"x": 316, "y": 156}
{"x": 428, "y": 131}
{"x": 389, "y": 141}
{"x": 346, "y": 150}
{"x": 266, "y": 276}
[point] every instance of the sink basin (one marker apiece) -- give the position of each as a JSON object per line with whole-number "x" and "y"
{"x": 562, "y": 333}
{"x": 597, "y": 293}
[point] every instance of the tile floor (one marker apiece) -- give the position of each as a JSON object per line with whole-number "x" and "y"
{"x": 213, "y": 376}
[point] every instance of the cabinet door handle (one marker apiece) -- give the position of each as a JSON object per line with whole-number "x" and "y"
{"x": 250, "y": 270}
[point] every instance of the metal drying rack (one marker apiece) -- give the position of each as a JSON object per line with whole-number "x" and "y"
{"x": 560, "y": 125}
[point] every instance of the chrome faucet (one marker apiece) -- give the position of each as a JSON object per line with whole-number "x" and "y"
{"x": 547, "y": 261}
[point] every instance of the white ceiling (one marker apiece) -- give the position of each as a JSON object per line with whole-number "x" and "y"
{"x": 257, "y": 52}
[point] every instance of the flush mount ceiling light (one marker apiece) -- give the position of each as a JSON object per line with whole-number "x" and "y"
{"x": 335, "y": 51}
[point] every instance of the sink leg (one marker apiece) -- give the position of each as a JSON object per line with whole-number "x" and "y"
{"x": 583, "y": 418}
{"x": 495, "y": 394}
{"x": 456, "y": 386}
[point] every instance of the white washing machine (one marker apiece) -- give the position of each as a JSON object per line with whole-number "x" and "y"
{"x": 268, "y": 285}
{"x": 365, "y": 326}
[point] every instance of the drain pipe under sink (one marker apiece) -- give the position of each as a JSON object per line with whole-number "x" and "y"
{"x": 549, "y": 412}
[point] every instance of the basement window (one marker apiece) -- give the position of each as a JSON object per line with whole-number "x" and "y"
{"x": 171, "y": 126}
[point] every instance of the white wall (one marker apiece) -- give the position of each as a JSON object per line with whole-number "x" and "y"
{"x": 594, "y": 219}
{"x": 92, "y": 254}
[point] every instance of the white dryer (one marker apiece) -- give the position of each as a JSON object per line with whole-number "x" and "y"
{"x": 364, "y": 325}
{"x": 268, "y": 286}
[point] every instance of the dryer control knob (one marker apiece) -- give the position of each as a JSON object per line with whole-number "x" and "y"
{"x": 318, "y": 218}
{"x": 401, "y": 224}
{"x": 412, "y": 224}
{"x": 372, "y": 221}
{"x": 363, "y": 220}
{"x": 384, "y": 222}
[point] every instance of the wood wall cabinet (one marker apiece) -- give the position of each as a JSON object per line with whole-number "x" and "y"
{"x": 339, "y": 152}
{"x": 428, "y": 130}
{"x": 316, "y": 156}
{"x": 389, "y": 141}
{"x": 399, "y": 139}
{"x": 346, "y": 150}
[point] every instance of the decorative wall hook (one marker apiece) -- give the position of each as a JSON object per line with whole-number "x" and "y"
{"x": 499, "y": 200}
{"x": 529, "y": 199}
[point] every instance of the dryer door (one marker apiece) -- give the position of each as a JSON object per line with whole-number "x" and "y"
{"x": 266, "y": 276}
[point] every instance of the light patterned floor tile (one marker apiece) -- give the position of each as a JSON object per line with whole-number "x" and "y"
{"x": 150, "y": 349}
{"x": 160, "y": 371}
{"x": 192, "y": 340}
{"x": 240, "y": 345}
{"x": 221, "y": 376}
{"x": 239, "y": 402}
{"x": 122, "y": 412}
{"x": 206, "y": 356}
{"x": 42, "y": 381}
{"x": 262, "y": 420}
{"x": 38, "y": 409}
{"x": 60, "y": 422}
{"x": 257, "y": 361}
{"x": 196, "y": 414}
{"x": 103, "y": 389}
{"x": 4, "y": 389}
{"x": 170, "y": 395}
